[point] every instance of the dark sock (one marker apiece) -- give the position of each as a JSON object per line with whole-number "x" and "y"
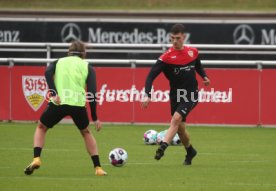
{"x": 189, "y": 149}
{"x": 96, "y": 160}
{"x": 163, "y": 146}
{"x": 37, "y": 151}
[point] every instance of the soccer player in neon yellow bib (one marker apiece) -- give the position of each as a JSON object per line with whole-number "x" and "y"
{"x": 67, "y": 79}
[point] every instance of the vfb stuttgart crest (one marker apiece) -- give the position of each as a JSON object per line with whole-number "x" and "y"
{"x": 34, "y": 88}
{"x": 190, "y": 53}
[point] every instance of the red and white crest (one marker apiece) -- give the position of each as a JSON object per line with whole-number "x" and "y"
{"x": 34, "y": 89}
{"x": 191, "y": 53}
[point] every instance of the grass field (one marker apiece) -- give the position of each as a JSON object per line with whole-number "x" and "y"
{"x": 172, "y": 5}
{"x": 228, "y": 159}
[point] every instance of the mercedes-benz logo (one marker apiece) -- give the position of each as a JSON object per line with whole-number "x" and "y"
{"x": 70, "y": 32}
{"x": 244, "y": 34}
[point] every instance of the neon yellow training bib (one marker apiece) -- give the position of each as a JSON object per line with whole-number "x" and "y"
{"x": 70, "y": 80}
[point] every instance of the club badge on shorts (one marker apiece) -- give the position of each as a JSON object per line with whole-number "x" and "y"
{"x": 34, "y": 89}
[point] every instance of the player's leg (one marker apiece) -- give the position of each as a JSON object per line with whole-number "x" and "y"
{"x": 90, "y": 141}
{"x": 174, "y": 125}
{"x": 91, "y": 147}
{"x": 184, "y": 135}
{"x": 175, "y": 122}
{"x": 51, "y": 116}
{"x": 185, "y": 139}
{"x": 39, "y": 138}
{"x": 184, "y": 108}
{"x": 80, "y": 118}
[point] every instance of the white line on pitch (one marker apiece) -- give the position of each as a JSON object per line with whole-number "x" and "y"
{"x": 45, "y": 149}
{"x": 250, "y": 161}
{"x": 135, "y": 163}
{"x": 250, "y": 184}
{"x": 45, "y": 178}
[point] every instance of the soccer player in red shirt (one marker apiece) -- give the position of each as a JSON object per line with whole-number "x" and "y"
{"x": 179, "y": 65}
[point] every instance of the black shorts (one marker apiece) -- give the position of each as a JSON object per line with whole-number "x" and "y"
{"x": 183, "y": 107}
{"x": 54, "y": 113}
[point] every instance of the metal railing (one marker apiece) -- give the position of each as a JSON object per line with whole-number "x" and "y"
{"x": 134, "y": 63}
{"x": 49, "y": 48}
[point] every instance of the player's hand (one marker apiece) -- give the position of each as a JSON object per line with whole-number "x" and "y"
{"x": 56, "y": 100}
{"x": 145, "y": 102}
{"x": 98, "y": 125}
{"x": 206, "y": 81}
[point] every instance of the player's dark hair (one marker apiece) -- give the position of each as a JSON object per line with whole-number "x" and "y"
{"x": 177, "y": 28}
{"x": 77, "y": 48}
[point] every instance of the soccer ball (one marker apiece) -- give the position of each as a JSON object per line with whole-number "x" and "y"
{"x": 176, "y": 140}
{"x": 160, "y": 136}
{"x": 118, "y": 157}
{"x": 150, "y": 137}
